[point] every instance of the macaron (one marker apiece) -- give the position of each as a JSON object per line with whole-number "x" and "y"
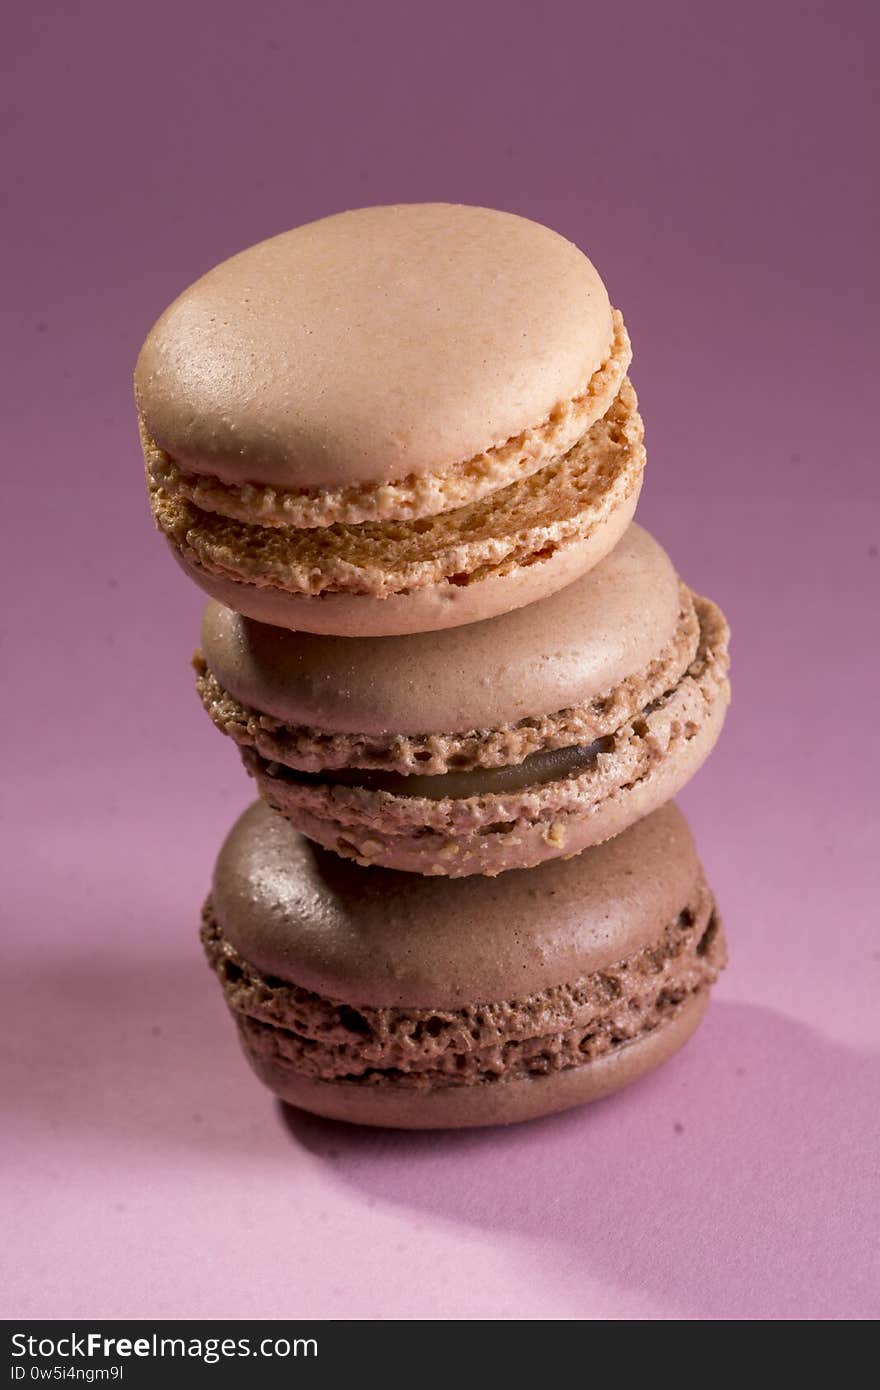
{"x": 392, "y": 999}
{"x": 485, "y": 748}
{"x": 393, "y": 420}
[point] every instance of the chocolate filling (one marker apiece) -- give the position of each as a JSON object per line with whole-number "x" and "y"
{"x": 547, "y": 765}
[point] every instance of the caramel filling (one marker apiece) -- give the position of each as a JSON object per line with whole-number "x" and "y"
{"x": 547, "y": 765}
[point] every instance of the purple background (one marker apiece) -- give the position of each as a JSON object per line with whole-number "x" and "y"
{"x": 714, "y": 163}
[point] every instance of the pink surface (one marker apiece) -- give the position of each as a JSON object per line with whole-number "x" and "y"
{"x": 716, "y": 170}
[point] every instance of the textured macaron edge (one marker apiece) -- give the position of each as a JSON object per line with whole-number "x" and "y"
{"x": 288, "y": 1030}
{"x": 527, "y": 520}
{"x": 414, "y": 497}
{"x": 648, "y": 760}
{"x": 342, "y": 1038}
{"x": 430, "y": 609}
{"x": 471, "y": 1107}
{"x": 312, "y": 750}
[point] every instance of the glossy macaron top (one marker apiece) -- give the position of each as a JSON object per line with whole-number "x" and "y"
{"x": 383, "y": 938}
{"x": 373, "y": 346}
{"x": 563, "y": 651}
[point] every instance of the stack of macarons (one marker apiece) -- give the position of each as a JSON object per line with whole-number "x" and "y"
{"x": 400, "y": 450}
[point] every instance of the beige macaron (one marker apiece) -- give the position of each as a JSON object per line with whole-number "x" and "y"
{"x": 391, "y": 999}
{"x": 393, "y": 420}
{"x": 484, "y": 748}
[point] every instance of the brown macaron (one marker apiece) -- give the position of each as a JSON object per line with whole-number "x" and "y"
{"x": 393, "y": 420}
{"x": 488, "y": 747}
{"x": 392, "y": 999}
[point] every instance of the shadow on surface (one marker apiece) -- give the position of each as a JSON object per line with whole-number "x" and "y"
{"x": 716, "y": 1186}
{"x": 739, "y": 1181}
{"x": 134, "y": 1050}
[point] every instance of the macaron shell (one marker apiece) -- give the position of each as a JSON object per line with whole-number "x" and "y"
{"x": 299, "y": 747}
{"x": 377, "y": 937}
{"x": 417, "y": 495}
{"x": 541, "y": 658}
{"x": 430, "y": 609}
{"x": 491, "y": 835}
{"x": 498, "y": 1103}
{"x": 373, "y": 345}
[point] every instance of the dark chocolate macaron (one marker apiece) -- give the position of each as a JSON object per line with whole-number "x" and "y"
{"x": 394, "y": 999}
